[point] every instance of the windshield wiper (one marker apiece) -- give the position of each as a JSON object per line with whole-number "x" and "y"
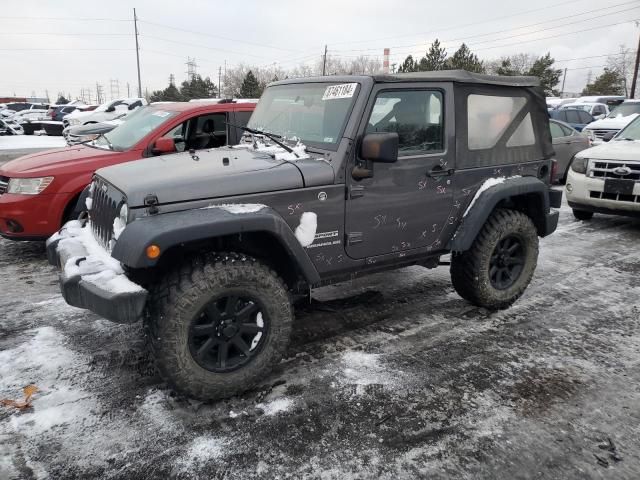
{"x": 272, "y": 136}
{"x": 627, "y": 139}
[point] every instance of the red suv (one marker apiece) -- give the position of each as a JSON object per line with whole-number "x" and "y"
{"x": 39, "y": 192}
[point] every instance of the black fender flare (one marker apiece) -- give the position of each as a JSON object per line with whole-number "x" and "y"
{"x": 532, "y": 188}
{"x": 170, "y": 229}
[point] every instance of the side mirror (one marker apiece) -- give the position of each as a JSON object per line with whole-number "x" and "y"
{"x": 380, "y": 147}
{"x": 163, "y": 145}
{"x": 110, "y": 109}
{"x": 608, "y": 136}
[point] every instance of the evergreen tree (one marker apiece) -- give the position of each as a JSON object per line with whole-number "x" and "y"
{"x": 506, "y": 68}
{"x": 61, "y": 100}
{"x": 543, "y": 69}
{"x": 409, "y": 65}
{"x": 435, "y": 58}
{"x": 250, "y": 88}
{"x": 610, "y": 82}
{"x": 463, "y": 59}
{"x": 197, "y": 87}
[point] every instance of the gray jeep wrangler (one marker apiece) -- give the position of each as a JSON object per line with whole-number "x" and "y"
{"x": 337, "y": 177}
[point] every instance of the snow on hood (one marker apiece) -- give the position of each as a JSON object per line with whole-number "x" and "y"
{"x": 279, "y": 153}
{"x": 612, "y": 122}
{"x": 613, "y": 150}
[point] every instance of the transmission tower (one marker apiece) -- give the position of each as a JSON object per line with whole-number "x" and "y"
{"x": 114, "y": 88}
{"x": 191, "y": 68}
{"x": 172, "y": 80}
{"x": 99, "y": 93}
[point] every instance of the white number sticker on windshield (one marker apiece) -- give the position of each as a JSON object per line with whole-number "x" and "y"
{"x": 345, "y": 90}
{"x": 161, "y": 114}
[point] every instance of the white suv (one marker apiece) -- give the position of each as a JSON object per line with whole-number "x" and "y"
{"x": 606, "y": 178}
{"x": 107, "y": 111}
{"x": 602, "y": 130}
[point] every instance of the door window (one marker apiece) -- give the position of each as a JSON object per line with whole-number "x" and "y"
{"x": 523, "y": 135}
{"x": 207, "y": 131}
{"x": 556, "y": 130}
{"x": 416, "y": 116}
{"x": 572, "y": 116}
{"x": 177, "y": 134}
{"x": 584, "y": 117}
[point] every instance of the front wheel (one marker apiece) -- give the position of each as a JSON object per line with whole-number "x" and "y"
{"x": 218, "y": 326}
{"x": 498, "y": 267}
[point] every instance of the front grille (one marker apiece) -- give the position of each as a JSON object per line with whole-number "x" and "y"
{"x": 4, "y": 185}
{"x": 615, "y": 196}
{"x": 605, "y": 169}
{"x": 105, "y": 207}
{"x": 601, "y": 132}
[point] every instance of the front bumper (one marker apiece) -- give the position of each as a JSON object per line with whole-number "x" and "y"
{"x": 578, "y": 191}
{"x": 91, "y": 279}
{"x": 31, "y": 217}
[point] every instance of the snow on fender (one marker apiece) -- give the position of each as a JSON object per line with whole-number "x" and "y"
{"x": 306, "y": 231}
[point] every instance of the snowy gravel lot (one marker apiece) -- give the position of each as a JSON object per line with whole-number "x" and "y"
{"x": 393, "y": 376}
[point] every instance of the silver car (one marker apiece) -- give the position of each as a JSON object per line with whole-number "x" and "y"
{"x": 567, "y": 141}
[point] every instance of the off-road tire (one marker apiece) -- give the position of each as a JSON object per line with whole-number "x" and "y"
{"x": 470, "y": 269}
{"x": 177, "y": 298}
{"x": 582, "y": 214}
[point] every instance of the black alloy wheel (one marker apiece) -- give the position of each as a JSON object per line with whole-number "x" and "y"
{"x": 507, "y": 261}
{"x": 228, "y": 333}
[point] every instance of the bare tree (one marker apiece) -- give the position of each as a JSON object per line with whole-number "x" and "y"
{"x": 623, "y": 64}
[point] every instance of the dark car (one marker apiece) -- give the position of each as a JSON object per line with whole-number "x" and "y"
{"x": 338, "y": 177}
{"x": 567, "y": 141}
{"x": 576, "y": 117}
{"x": 57, "y": 112}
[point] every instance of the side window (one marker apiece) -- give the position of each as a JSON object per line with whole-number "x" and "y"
{"x": 598, "y": 110}
{"x": 523, "y": 135}
{"x": 177, "y": 134}
{"x": 584, "y": 117}
{"x": 489, "y": 116}
{"x": 556, "y": 130}
{"x": 416, "y": 116}
{"x": 568, "y": 131}
{"x": 572, "y": 116}
{"x": 207, "y": 131}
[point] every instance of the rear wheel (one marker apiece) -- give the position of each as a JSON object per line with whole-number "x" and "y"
{"x": 218, "y": 326}
{"x": 582, "y": 214}
{"x": 498, "y": 267}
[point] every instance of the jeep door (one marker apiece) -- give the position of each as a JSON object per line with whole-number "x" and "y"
{"x": 404, "y": 205}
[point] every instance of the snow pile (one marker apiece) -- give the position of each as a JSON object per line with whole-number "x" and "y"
{"x": 118, "y": 227}
{"x": 98, "y": 268}
{"x": 201, "y": 450}
{"x": 112, "y": 282}
{"x": 364, "y": 369}
{"x": 277, "y": 151}
{"x": 306, "y": 231}
{"x": 238, "y": 207}
{"x": 24, "y": 142}
{"x": 488, "y": 183}
{"x": 276, "y": 406}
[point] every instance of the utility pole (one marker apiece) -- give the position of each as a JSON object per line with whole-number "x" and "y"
{"x": 128, "y": 93}
{"x": 135, "y": 26}
{"x": 114, "y": 87}
{"x": 324, "y": 61}
{"x": 564, "y": 77}
{"x": 225, "y": 76}
{"x": 98, "y": 93}
{"x": 219, "y": 84}
{"x": 635, "y": 70}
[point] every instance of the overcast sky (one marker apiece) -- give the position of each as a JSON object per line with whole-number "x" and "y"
{"x": 288, "y": 33}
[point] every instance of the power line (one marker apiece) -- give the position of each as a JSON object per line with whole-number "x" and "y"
{"x": 235, "y": 40}
{"x": 199, "y": 46}
{"x": 67, "y": 49}
{"x": 515, "y": 28}
{"x": 457, "y": 27}
{"x": 72, "y": 19}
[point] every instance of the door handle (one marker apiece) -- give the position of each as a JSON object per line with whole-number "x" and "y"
{"x": 438, "y": 171}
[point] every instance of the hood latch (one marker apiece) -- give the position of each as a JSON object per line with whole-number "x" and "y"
{"x": 151, "y": 202}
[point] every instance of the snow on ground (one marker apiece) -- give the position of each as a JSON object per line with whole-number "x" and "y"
{"x": 389, "y": 376}
{"x": 22, "y": 142}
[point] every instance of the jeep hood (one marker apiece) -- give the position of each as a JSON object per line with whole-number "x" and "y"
{"x": 614, "y": 150}
{"x": 215, "y": 173}
{"x": 48, "y": 162}
{"x": 612, "y": 123}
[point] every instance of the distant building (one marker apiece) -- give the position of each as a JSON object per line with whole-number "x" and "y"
{"x": 24, "y": 99}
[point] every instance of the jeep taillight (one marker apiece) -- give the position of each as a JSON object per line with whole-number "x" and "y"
{"x": 554, "y": 169}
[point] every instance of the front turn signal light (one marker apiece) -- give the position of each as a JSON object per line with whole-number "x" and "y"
{"x": 153, "y": 252}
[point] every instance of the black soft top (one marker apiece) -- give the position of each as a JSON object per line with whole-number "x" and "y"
{"x": 460, "y": 76}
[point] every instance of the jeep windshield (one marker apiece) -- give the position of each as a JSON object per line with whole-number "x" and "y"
{"x": 137, "y": 125}
{"x": 314, "y": 113}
